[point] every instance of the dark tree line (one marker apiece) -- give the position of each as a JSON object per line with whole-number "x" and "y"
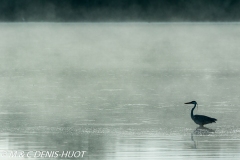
{"x": 119, "y": 10}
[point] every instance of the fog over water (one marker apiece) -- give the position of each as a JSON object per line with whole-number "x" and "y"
{"x": 117, "y": 90}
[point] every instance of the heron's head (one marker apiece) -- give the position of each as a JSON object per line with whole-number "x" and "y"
{"x": 192, "y": 102}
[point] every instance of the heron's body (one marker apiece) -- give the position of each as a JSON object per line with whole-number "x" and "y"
{"x": 200, "y": 119}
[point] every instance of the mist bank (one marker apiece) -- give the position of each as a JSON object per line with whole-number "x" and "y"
{"x": 195, "y": 46}
{"x": 118, "y": 10}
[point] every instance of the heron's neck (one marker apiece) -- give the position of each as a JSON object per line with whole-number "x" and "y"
{"x": 193, "y": 109}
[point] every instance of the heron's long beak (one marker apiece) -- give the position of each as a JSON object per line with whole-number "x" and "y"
{"x": 188, "y": 103}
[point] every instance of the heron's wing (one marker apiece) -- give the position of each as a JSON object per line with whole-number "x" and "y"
{"x": 205, "y": 119}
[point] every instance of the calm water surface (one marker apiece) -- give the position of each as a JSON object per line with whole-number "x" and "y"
{"x": 117, "y": 90}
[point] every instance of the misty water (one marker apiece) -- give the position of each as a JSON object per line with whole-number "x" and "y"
{"x": 117, "y": 90}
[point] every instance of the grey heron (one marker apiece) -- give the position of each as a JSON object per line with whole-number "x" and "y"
{"x": 200, "y": 119}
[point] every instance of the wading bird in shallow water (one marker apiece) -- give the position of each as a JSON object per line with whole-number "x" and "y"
{"x": 200, "y": 119}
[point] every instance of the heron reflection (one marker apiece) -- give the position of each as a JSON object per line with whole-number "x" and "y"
{"x": 200, "y": 131}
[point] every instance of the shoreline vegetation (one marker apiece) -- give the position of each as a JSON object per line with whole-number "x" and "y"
{"x": 119, "y": 11}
